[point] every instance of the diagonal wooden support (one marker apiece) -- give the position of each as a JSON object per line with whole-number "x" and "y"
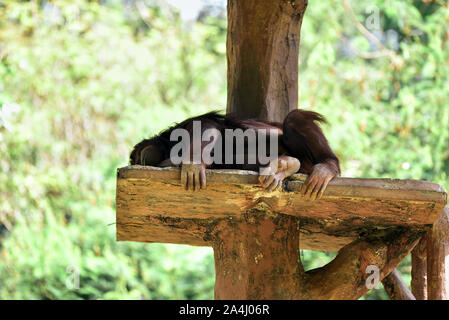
{"x": 255, "y": 233}
{"x": 396, "y": 288}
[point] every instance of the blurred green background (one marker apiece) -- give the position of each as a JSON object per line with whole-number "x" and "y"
{"x": 82, "y": 81}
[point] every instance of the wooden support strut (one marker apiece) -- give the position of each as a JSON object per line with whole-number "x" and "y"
{"x": 396, "y": 288}
{"x": 419, "y": 270}
{"x": 438, "y": 258}
{"x": 433, "y": 246}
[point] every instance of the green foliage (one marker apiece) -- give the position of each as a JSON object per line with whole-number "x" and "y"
{"x": 82, "y": 81}
{"x": 79, "y": 85}
{"x": 394, "y": 108}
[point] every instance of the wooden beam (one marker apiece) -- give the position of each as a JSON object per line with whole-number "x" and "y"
{"x": 152, "y": 206}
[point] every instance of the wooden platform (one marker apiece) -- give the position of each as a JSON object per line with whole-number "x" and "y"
{"x": 153, "y": 207}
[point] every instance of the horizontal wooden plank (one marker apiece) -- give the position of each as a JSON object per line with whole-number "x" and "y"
{"x": 152, "y": 206}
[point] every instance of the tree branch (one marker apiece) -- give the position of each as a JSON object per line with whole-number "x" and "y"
{"x": 395, "y": 60}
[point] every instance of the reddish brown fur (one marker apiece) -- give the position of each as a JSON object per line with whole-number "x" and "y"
{"x": 304, "y": 140}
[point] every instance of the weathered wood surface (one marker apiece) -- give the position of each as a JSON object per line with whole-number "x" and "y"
{"x": 396, "y": 288}
{"x": 153, "y": 207}
{"x": 418, "y": 283}
{"x": 438, "y": 258}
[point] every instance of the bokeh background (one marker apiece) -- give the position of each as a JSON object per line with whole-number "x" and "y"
{"x": 82, "y": 81}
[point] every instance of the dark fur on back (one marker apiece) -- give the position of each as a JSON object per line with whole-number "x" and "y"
{"x": 301, "y": 137}
{"x": 162, "y": 140}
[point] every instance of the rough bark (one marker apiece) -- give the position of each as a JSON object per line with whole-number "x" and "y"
{"x": 396, "y": 288}
{"x": 258, "y": 257}
{"x": 262, "y": 54}
{"x": 419, "y": 270}
{"x": 438, "y": 258}
{"x": 345, "y": 277}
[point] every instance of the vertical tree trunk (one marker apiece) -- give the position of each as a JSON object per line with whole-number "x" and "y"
{"x": 419, "y": 270}
{"x": 258, "y": 258}
{"x": 438, "y": 258}
{"x": 262, "y": 53}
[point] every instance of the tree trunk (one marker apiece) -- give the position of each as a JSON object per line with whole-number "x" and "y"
{"x": 258, "y": 258}
{"x": 262, "y": 53}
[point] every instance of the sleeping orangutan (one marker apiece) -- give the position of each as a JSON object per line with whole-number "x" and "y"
{"x": 296, "y": 145}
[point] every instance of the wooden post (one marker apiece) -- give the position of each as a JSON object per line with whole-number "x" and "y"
{"x": 258, "y": 257}
{"x": 262, "y": 53}
{"x": 438, "y": 258}
{"x": 419, "y": 270}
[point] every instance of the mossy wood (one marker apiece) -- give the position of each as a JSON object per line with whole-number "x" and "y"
{"x": 153, "y": 207}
